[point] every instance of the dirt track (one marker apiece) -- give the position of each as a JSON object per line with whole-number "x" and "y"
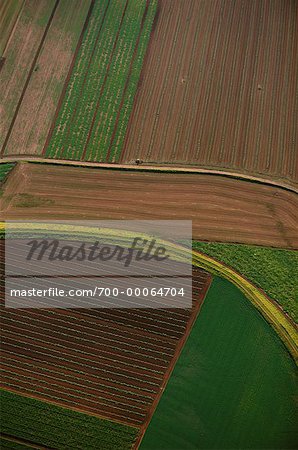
{"x": 222, "y": 209}
{"x": 218, "y": 88}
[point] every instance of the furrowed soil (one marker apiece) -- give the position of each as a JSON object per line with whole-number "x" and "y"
{"x": 27, "y": 130}
{"x": 41, "y": 98}
{"x": 112, "y": 363}
{"x": 222, "y": 209}
{"x": 9, "y": 11}
{"x": 19, "y": 58}
{"x": 218, "y": 88}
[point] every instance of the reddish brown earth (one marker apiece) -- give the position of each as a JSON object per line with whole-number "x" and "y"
{"x": 222, "y": 209}
{"x": 112, "y": 363}
{"x": 218, "y": 88}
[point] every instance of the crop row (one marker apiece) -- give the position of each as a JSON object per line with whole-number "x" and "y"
{"x": 57, "y": 427}
{"x": 79, "y": 76}
{"x": 93, "y": 118}
{"x": 110, "y": 101}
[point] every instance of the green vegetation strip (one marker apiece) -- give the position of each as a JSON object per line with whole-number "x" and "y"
{"x": 4, "y": 170}
{"x": 233, "y": 386}
{"x": 56, "y": 427}
{"x": 11, "y": 444}
{"x": 274, "y": 314}
{"x": 272, "y": 270}
{"x": 94, "y": 114}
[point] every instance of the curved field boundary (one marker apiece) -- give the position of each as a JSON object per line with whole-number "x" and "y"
{"x": 220, "y": 393}
{"x": 273, "y": 313}
{"x": 292, "y": 187}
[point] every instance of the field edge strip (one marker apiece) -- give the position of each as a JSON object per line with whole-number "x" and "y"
{"x": 290, "y": 187}
{"x": 55, "y": 408}
{"x": 57, "y": 404}
{"x": 271, "y": 311}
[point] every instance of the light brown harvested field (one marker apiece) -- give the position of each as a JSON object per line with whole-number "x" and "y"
{"x": 9, "y": 11}
{"x": 222, "y": 209}
{"x": 219, "y": 88}
{"x": 42, "y": 94}
{"x": 27, "y": 131}
{"x": 19, "y": 57}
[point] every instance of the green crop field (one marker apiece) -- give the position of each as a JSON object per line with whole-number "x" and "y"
{"x": 56, "y": 427}
{"x": 4, "y": 170}
{"x": 233, "y": 385}
{"x": 11, "y": 445}
{"x": 95, "y": 111}
{"x": 271, "y": 269}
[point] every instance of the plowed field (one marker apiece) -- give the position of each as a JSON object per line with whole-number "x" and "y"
{"x": 218, "y": 88}
{"x": 37, "y": 60}
{"x": 222, "y": 209}
{"x": 111, "y": 363}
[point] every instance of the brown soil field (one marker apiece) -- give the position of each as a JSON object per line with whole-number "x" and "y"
{"x": 19, "y": 56}
{"x": 9, "y": 11}
{"x": 218, "y": 88}
{"x": 51, "y": 34}
{"x": 222, "y": 209}
{"x": 112, "y": 363}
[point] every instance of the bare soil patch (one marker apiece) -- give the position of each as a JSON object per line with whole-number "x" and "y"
{"x": 38, "y": 105}
{"x": 218, "y": 88}
{"x": 19, "y": 57}
{"x": 222, "y": 209}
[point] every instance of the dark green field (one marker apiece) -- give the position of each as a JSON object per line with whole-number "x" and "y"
{"x": 271, "y": 269}
{"x": 4, "y": 170}
{"x": 233, "y": 386}
{"x": 56, "y": 427}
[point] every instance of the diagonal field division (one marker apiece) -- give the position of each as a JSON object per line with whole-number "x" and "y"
{"x": 112, "y": 363}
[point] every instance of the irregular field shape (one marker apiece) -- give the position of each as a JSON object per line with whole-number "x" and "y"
{"x": 109, "y": 362}
{"x": 38, "y": 106}
{"x": 220, "y": 394}
{"x": 222, "y": 209}
{"x": 95, "y": 110}
{"x": 218, "y": 88}
{"x": 272, "y": 270}
{"x": 4, "y": 170}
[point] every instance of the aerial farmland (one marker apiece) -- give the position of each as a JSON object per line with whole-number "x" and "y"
{"x": 120, "y": 112}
